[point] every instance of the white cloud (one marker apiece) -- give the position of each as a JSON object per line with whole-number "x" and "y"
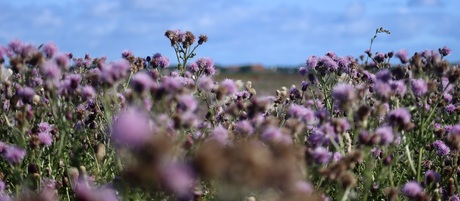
{"x": 47, "y": 18}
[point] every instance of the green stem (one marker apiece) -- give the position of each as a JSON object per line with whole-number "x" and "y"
{"x": 411, "y": 162}
{"x": 419, "y": 165}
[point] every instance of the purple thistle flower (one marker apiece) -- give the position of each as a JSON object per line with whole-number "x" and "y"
{"x": 16, "y": 46}
{"x": 402, "y": 56}
{"x": 329, "y": 63}
{"x": 131, "y": 128}
{"x": 205, "y": 83}
{"x": 296, "y": 111}
{"x": 3, "y": 147}
{"x": 419, "y": 87}
{"x": 301, "y": 112}
{"x": 159, "y": 61}
{"x": 316, "y": 138}
{"x": 187, "y": 103}
{"x": 44, "y": 127}
{"x": 88, "y": 92}
{"x": 85, "y": 191}
{"x": 74, "y": 81}
{"x": 2, "y": 186}
{"x": 178, "y": 179}
{"x": 230, "y": 86}
{"x": 321, "y": 155}
{"x": 193, "y": 67}
{"x": 444, "y": 51}
{"x": 376, "y": 152}
{"x": 383, "y": 75}
{"x": 399, "y": 117}
{"x": 120, "y": 68}
{"x": 27, "y": 94}
{"x": 244, "y": 127}
{"x": 304, "y": 186}
{"x": 386, "y": 134}
{"x": 343, "y": 93}
{"x": 450, "y": 108}
{"x": 398, "y": 87}
{"x": 5, "y": 197}
{"x": 141, "y": 82}
{"x": 337, "y": 156}
{"x": 432, "y": 176}
{"x": 50, "y": 70}
{"x": 412, "y": 189}
{"x": 207, "y": 65}
{"x": 312, "y": 61}
{"x": 331, "y": 55}
{"x": 369, "y": 76}
{"x": 50, "y": 49}
{"x": 14, "y": 155}
{"x": 171, "y": 84}
{"x": 441, "y": 148}
{"x": 343, "y": 63}
{"x": 305, "y": 85}
{"x": 45, "y": 138}
{"x": 220, "y": 134}
{"x": 274, "y": 134}
{"x": 454, "y": 198}
{"x": 303, "y": 71}
{"x": 448, "y": 129}
{"x": 126, "y": 53}
{"x": 379, "y": 57}
{"x": 382, "y": 89}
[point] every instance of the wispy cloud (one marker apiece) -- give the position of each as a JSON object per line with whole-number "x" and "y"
{"x": 240, "y": 31}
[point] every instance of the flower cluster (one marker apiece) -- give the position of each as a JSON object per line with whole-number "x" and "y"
{"x": 142, "y": 129}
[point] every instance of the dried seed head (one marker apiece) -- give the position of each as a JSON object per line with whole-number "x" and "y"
{"x": 202, "y": 39}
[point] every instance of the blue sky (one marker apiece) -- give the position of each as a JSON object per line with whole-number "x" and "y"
{"x": 275, "y": 32}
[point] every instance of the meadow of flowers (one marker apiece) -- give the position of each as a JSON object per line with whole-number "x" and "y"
{"x": 89, "y": 129}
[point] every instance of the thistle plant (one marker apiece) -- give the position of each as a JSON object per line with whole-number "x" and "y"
{"x": 90, "y": 129}
{"x": 182, "y": 44}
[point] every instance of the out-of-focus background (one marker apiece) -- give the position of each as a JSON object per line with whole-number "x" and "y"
{"x": 241, "y": 32}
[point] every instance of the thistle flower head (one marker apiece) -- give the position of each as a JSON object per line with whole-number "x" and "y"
{"x": 50, "y": 49}
{"x": 205, "y": 83}
{"x": 344, "y": 93}
{"x": 159, "y": 61}
{"x": 399, "y": 118}
{"x": 402, "y": 56}
{"x": 13, "y": 154}
{"x": 312, "y": 61}
{"x": 444, "y": 51}
{"x": 141, "y": 82}
{"x": 412, "y": 189}
{"x": 386, "y": 134}
{"x": 321, "y": 155}
{"x": 230, "y": 86}
{"x": 131, "y": 128}
{"x": 202, "y": 39}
